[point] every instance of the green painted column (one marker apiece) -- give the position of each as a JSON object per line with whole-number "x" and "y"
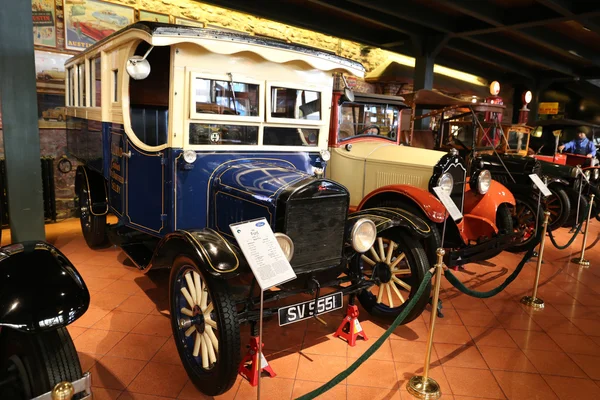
{"x": 20, "y": 121}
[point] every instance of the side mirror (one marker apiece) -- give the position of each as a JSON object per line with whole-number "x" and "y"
{"x": 138, "y": 67}
{"x": 348, "y": 94}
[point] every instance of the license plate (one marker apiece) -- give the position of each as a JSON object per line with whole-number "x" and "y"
{"x": 306, "y": 309}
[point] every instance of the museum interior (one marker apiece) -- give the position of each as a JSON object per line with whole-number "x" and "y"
{"x": 299, "y": 199}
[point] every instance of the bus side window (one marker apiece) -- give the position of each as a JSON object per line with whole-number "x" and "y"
{"x": 149, "y": 98}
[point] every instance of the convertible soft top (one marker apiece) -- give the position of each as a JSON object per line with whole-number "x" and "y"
{"x": 431, "y": 100}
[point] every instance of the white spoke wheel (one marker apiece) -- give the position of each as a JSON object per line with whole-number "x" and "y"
{"x": 205, "y": 327}
{"x": 396, "y": 264}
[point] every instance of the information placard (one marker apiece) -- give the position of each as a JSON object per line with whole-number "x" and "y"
{"x": 448, "y": 203}
{"x": 265, "y": 257}
{"x": 540, "y": 185}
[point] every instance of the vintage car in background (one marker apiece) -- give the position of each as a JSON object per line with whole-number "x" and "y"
{"x": 199, "y": 129}
{"x": 366, "y": 157}
{"x": 41, "y": 293}
{"x": 53, "y": 74}
{"x": 110, "y": 17}
{"x": 57, "y": 113}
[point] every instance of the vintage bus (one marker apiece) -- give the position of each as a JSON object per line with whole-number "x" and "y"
{"x": 183, "y": 131}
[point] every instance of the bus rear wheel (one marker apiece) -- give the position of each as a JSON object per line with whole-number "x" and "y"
{"x": 93, "y": 226}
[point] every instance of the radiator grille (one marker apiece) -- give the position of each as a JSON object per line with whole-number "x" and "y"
{"x": 458, "y": 174}
{"x": 316, "y": 225}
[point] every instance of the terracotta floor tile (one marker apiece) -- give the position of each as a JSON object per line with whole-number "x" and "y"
{"x": 154, "y": 325}
{"x": 119, "y": 321}
{"x": 415, "y": 331}
{"x": 521, "y": 321}
{"x": 533, "y": 340}
{"x": 91, "y": 316}
{"x": 270, "y": 388}
{"x": 303, "y": 387}
{"x": 107, "y": 301}
{"x": 410, "y": 352}
{"x": 372, "y": 393}
{"x": 189, "y": 392}
{"x": 127, "y": 395}
{"x": 108, "y": 272}
{"x": 498, "y": 358}
{"x": 137, "y": 347}
{"x": 87, "y": 360}
{"x": 137, "y": 304}
{"x": 123, "y": 287}
{"x": 75, "y": 331}
{"x": 553, "y": 363}
{"x": 490, "y": 336}
{"x": 374, "y": 373}
{"x": 319, "y": 343}
{"x": 464, "y": 302}
{"x": 105, "y": 394}
{"x": 454, "y": 355}
{"x": 168, "y": 353}
{"x": 576, "y": 344}
{"x": 556, "y": 325}
{"x": 159, "y": 379}
{"x": 97, "y": 341}
{"x": 473, "y": 382}
{"x": 289, "y": 340}
{"x": 451, "y": 317}
{"x": 284, "y": 363}
{"x": 573, "y": 388}
{"x": 588, "y": 326}
{"x": 372, "y": 328}
{"x": 115, "y": 372}
{"x": 524, "y": 386}
{"x": 478, "y": 318}
{"x": 319, "y": 368}
{"x": 590, "y": 364}
{"x": 453, "y": 334}
{"x": 384, "y": 353}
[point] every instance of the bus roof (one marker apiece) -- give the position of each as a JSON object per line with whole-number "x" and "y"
{"x": 181, "y": 33}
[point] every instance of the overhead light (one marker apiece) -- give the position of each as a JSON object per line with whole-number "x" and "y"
{"x": 494, "y": 88}
{"x": 474, "y": 99}
{"x": 575, "y": 53}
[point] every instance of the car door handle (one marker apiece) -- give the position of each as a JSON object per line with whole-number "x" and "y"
{"x": 128, "y": 154}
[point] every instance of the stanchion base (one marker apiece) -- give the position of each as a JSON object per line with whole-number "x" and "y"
{"x": 583, "y": 263}
{"x": 427, "y": 390}
{"x": 533, "y": 302}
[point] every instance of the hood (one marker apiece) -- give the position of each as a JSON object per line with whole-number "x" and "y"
{"x": 246, "y": 189}
{"x": 392, "y": 153}
{"x": 557, "y": 170}
{"x": 519, "y": 168}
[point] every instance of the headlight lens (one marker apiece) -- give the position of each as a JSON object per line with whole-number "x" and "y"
{"x": 286, "y": 244}
{"x": 588, "y": 174}
{"x": 363, "y": 235}
{"x": 325, "y": 155}
{"x": 484, "y": 180}
{"x": 596, "y": 174}
{"x": 446, "y": 182}
{"x": 189, "y": 156}
{"x": 574, "y": 172}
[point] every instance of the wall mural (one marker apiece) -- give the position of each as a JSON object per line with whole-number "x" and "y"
{"x": 88, "y": 21}
{"x": 50, "y": 71}
{"x": 44, "y": 22}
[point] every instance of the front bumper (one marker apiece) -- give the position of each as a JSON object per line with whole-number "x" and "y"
{"x": 482, "y": 251}
{"x": 83, "y": 384}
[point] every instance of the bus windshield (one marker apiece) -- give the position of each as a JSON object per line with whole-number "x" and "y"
{"x": 361, "y": 119}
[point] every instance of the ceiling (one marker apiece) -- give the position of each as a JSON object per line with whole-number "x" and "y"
{"x": 509, "y": 40}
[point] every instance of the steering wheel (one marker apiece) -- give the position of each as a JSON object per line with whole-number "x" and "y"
{"x": 368, "y": 128}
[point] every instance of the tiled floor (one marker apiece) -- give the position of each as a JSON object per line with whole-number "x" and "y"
{"x": 492, "y": 349}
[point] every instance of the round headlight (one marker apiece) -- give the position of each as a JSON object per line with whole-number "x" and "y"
{"x": 588, "y": 174}
{"x": 484, "y": 180}
{"x": 446, "y": 182}
{"x": 574, "y": 172}
{"x": 363, "y": 235}
{"x": 286, "y": 245}
{"x": 325, "y": 155}
{"x": 189, "y": 156}
{"x": 596, "y": 174}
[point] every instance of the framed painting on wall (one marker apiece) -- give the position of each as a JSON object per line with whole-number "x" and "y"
{"x": 44, "y": 22}
{"x": 88, "y": 21}
{"x": 51, "y": 110}
{"x": 189, "y": 22}
{"x": 50, "y": 71}
{"x": 154, "y": 17}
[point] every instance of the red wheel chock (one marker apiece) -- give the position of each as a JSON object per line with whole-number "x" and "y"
{"x": 249, "y": 366}
{"x": 350, "y": 328}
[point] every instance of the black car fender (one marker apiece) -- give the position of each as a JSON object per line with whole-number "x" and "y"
{"x": 386, "y": 217}
{"x": 551, "y": 180}
{"x": 40, "y": 289}
{"x": 96, "y": 187}
{"x": 213, "y": 253}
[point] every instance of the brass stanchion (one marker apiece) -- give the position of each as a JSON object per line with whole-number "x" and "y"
{"x": 424, "y": 387}
{"x": 533, "y": 300}
{"x": 63, "y": 391}
{"x": 581, "y": 260}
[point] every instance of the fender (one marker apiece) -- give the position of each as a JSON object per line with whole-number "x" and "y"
{"x": 485, "y": 206}
{"x": 552, "y": 180}
{"x": 385, "y": 218}
{"x": 214, "y": 254}
{"x": 40, "y": 289}
{"x": 427, "y": 202}
{"x": 95, "y": 184}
